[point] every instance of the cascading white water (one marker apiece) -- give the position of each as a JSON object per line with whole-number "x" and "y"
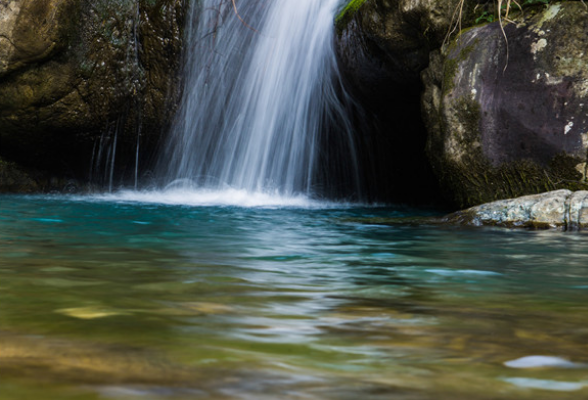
{"x": 261, "y": 88}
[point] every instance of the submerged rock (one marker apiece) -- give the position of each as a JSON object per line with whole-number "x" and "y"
{"x": 85, "y": 362}
{"x": 562, "y": 209}
{"x": 78, "y": 76}
{"x": 507, "y": 111}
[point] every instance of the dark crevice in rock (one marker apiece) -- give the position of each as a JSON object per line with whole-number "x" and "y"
{"x": 490, "y": 132}
{"x": 382, "y": 52}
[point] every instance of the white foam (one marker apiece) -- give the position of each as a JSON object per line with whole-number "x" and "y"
{"x": 542, "y": 362}
{"x": 225, "y": 197}
{"x": 545, "y": 384}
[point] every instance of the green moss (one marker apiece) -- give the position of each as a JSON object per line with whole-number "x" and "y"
{"x": 449, "y": 72}
{"x": 14, "y": 180}
{"x": 562, "y": 168}
{"x": 347, "y": 13}
{"x": 455, "y": 54}
{"x": 469, "y": 112}
{"x": 475, "y": 181}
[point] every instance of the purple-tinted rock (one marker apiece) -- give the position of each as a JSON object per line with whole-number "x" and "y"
{"x": 504, "y": 124}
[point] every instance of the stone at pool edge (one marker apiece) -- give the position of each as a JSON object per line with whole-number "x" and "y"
{"x": 560, "y": 209}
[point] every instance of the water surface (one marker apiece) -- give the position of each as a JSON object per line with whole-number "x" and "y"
{"x": 143, "y": 297}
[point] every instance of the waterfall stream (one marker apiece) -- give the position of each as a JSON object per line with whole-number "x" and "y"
{"x": 262, "y": 101}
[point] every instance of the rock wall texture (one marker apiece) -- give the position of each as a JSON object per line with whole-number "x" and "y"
{"x": 82, "y": 81}
{"x": 504, "y": 108}
{"x": 386, "y": 43}
{"x": 14, "y": 180}
{"x": 509, "y": 117}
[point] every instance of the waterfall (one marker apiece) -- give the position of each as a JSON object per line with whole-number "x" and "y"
{"x": 262, "y": 106}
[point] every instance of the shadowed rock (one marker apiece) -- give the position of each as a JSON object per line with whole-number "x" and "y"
{"x": 86, "y": 80}
{"x": 505, "y": 123}
{"x": 382, "y": 48}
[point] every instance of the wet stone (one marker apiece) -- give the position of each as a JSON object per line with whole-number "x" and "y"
{"x": 561, "y": 209}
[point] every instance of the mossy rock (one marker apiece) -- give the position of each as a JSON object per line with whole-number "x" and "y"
{"x": 383, "y": 46}
{"x": 14, "y": 180}
{"x": 80, "y": 75}
{"x": 504, "y": 124}
{"x": 347, "y": 13}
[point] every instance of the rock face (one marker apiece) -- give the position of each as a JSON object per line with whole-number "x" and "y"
{"x": 387, "y": 42}
{"x": 497, "y": 123}
{"x": 13, "y": 180}
{"x": 561, "y": 209}
{"x": 382, "y": 46}
{"x": 503, "y": 124}
{"x": 84, "y": 80}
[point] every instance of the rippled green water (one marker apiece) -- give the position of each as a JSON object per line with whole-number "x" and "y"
{"x": 124, "y": 300}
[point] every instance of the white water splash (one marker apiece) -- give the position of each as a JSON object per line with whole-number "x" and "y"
{"x": 216, "y": 197}
{"x": 261, "y": 88}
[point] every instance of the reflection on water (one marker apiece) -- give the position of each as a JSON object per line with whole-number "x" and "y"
{"x": 107, "y": 299}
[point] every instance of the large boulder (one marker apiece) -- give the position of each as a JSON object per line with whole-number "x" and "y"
{"x": 507, "y": 109}
{"x": 85, "y": 80}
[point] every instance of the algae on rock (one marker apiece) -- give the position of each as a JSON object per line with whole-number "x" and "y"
{"x": 504, "y": 126}
{"x": 76, "y": 73}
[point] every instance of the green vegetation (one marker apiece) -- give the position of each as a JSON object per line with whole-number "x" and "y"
{"x": 485, "y": 15}
{"x": 347, "y": 13}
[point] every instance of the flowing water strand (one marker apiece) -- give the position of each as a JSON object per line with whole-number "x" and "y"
{"x": 112, "y": 160}
{"x": 261, "y": 92}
